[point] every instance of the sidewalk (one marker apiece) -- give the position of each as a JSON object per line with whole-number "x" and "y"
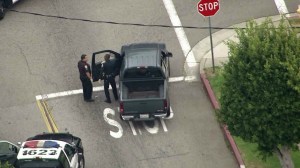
{"x": 202, "y": 50}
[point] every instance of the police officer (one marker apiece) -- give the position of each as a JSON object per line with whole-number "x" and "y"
{"x": 109, "y": 70}
{"x": 85, "y": 77}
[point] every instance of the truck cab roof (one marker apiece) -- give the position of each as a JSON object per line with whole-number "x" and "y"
{"x": 142, "y": 60}
{"x": 142, "y": 55}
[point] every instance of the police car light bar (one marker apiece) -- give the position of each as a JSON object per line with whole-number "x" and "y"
{"x": 41, "y": 144}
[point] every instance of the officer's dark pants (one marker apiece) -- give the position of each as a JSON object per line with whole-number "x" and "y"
{"x": 87, "y": 88}
{"x": 112, "y": 82}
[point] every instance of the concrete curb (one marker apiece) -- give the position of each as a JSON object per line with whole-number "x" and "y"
{"x": 226, "y": 132}
{"x": 209, "y": 91}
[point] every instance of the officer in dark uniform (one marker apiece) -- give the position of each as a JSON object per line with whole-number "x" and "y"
{"x": 109, "y": 71}
{"x": 85, "y": 77}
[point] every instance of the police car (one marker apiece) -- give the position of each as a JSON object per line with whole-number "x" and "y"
{"x": 5, "y": 4}
{"x": 61, "y": 150}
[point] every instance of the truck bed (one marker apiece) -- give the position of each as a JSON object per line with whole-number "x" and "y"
{"x": 143, "y": 89}
{"x": 143, "y": 95}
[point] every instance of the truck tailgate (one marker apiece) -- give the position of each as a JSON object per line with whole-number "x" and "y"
{"x": 143, "y": 106}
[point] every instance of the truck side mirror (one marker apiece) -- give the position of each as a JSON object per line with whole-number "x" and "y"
{"x": 169, "y": 54}
{"x": 166, "y": 53}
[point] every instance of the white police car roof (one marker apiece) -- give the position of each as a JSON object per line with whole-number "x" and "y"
{"x": 41, "y": 149}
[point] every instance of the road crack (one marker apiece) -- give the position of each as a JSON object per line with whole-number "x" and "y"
{"x": 163, "y": 157}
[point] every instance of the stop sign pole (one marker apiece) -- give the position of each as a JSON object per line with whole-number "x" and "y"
{"x": 209, "y": 8}
{"x": 211, "y": 44}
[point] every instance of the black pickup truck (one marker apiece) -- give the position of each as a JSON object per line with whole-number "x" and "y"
{"x": 143, "y": 70}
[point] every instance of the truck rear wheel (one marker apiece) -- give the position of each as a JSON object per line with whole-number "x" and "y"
{"x": 168, "y": 112}
{"x": 121, "y": 117}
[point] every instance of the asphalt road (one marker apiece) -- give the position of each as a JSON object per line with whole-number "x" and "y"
{"x": 39, "y": 56}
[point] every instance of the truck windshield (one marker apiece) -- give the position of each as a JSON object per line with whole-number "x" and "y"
{"x": 143, "y": 72}
{"x": 39, "y": 163}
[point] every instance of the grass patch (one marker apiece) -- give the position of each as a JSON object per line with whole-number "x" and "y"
{"x": 251, "y": 155}
{"x": 248, "y": 150}
{"x": 295, "y": 22}
{"x": 215, "y": 80}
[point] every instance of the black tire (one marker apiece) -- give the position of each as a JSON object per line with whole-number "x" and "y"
{"x": 81, "y": 162}
{"x": 168, "y": 112}
{"x": 2, "y": 13}
{"x": 121, "y": 118}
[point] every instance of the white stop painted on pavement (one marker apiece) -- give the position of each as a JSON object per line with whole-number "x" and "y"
{"x": 112, "y": 122}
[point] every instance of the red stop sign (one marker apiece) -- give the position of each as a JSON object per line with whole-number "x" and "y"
{"x": 208, "y": 7}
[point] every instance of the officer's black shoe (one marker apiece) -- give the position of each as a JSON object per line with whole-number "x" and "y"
{"x": 89, "y": 100}
{"x": 107, "y": 101}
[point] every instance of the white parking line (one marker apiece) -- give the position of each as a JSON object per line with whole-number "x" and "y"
{"x": 163, "y": 125}
{"x": 140, "y": 131}
{"x": 281, "y": 6}
{"x": 182, "y": 78}
{"x": 132, "y": 128}
{"x": 182, "y": 38}
{"x": 99, "y": 88}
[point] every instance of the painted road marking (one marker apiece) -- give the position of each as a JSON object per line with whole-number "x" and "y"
{"x": 44, "y": 116}
{"x": 47, "y": 116}
{"x": 152, "y": 130}
{"x": 112, "y": 122}
{"x": 164, "y": 125}
{"x": 65, "y": 93}
{"x": 181, "y": 36}
{"x": 132, "y": 128}
{"x": 281, "y": 6}
{"x": 118, "y": 134}
{"x": 100, "y": 88}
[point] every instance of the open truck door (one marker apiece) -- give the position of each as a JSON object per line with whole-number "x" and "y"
{"x": 97, "y": 60}
{"x": 8, "y": 152}
{"x": 166, "y": 61}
